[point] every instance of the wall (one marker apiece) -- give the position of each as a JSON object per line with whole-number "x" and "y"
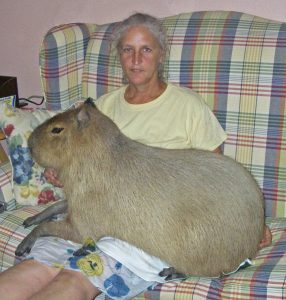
{"x": 23, "y": 24}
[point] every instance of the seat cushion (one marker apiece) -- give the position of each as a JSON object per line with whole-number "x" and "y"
{"x": 12, "y": 232}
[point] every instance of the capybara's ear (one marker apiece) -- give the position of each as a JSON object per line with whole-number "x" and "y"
{"x": 83, "y": 117}
{"x": 89, "y": 101}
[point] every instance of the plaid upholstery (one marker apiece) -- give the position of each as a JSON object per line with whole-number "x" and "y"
{"x": 237, "y": 63}
{"x": 102, "y": 71}
{"x": 12, "y": 232}
{"x": 61, "y": 63}
{"x": 6, "y": 192}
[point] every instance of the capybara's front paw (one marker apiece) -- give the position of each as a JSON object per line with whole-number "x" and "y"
{"x": 30, "y": 221}
{"x": 25, "y": 246}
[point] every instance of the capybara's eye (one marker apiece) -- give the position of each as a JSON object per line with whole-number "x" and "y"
{"x": 57, "y": 130}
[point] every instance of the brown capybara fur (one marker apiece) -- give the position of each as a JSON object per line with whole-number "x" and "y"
{"x": 201, "y": 212}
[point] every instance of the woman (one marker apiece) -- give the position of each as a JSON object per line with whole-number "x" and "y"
{"x": 150, "y": 111}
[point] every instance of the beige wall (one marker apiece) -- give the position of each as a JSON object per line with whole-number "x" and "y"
{"x": 24, "y": 22}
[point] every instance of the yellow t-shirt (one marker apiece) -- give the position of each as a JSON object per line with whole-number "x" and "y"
{"x": 178, "y": 119}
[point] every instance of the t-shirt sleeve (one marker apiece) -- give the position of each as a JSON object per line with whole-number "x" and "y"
{"x": 205, "y": 130}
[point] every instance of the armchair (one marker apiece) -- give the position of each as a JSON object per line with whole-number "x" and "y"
{"x": 237, "y": 62}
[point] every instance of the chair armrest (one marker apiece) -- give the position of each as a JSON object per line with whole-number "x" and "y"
{"x": 62, "y": 56}
{"x": 7, "y": 199}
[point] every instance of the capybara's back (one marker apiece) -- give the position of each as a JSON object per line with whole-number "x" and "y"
{"x": 201, "y": 212}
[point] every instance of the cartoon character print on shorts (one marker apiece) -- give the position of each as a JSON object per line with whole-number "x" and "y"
{"x": 86, "y": 259}
{"x": 90, "y": 264}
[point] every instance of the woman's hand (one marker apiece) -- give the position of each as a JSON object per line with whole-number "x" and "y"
{"x": 52, "y": 177}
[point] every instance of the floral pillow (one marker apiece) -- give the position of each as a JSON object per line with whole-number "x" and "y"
{"x": 30, "y": 187}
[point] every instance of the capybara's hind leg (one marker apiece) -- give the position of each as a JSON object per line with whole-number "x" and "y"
{"x": 171, "y": 274}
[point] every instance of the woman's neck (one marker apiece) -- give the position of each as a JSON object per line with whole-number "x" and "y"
{"x": 139, "y": 95}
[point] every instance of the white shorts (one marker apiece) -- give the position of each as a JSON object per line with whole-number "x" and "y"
{"x": 107, "y": 274}
{"x": 118, "y": 269}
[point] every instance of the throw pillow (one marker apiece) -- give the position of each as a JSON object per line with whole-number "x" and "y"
{"x": 30, "y": 187}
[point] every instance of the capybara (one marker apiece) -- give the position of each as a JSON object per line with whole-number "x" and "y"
{"x": 201, "y": 212}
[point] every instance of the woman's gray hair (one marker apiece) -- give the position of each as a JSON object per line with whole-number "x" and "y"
{"x": 151, "y": 23}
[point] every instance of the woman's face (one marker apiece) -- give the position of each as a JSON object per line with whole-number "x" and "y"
{"x": 140, "y": 55}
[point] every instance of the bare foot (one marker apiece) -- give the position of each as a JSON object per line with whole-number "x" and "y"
{"x": 267, "y": 239}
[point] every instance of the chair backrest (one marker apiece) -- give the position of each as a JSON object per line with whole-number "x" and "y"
{"x": 237, "y": 62}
